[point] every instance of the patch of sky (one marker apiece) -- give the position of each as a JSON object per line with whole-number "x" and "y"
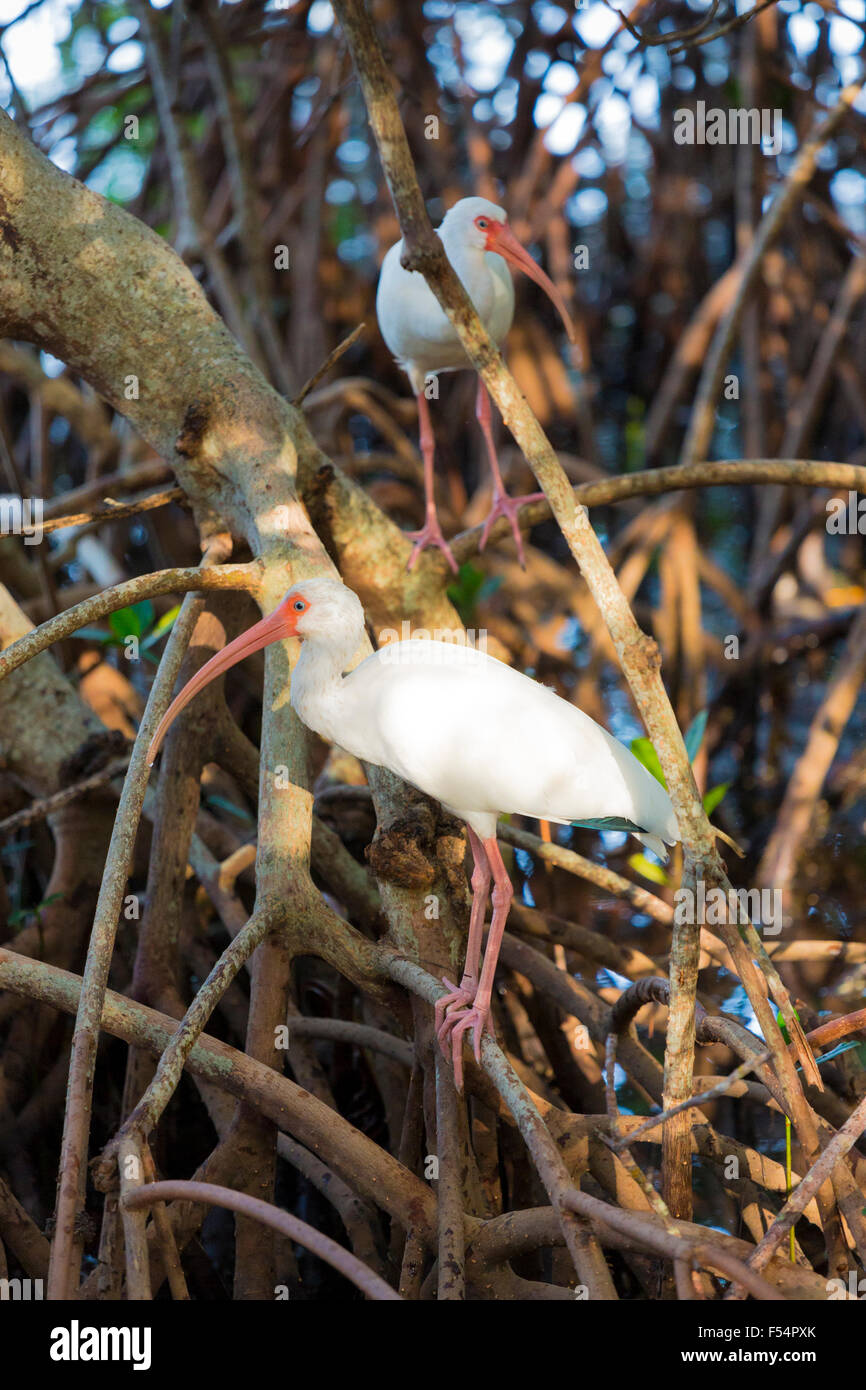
{"x": 789, "y": 137}
{"x": 88, "y": 50}
{"x": 547, "y": 108}
{"x": 613, "y": 122}
{"x": 487, "y": 44}
{"x": 568, "y": 635}
{"x": 536, "y": 64}
{"x": 828, "y": 156}
{"x": 827, "y": 92}
{"x": 566, "y": 130}
{"x": 683, "y": 77}
{"x": 525, "y": 862}
{"x": 620, "y": 1079}
{"x": 803, "y": 33}
{"x": 64, "y": 154}
{"x": 622, "y": 722}
{"x": 320, "y": 18}
{"x": 589, "y": 164}
{"x": 340, "y": 192}
{"x": 587, "y": 206}
{"x": 352, "y": 153}
{"x": 738, "y": 1004}
{"x": 596, "y": 24}
{"x": 31, "y": 46}
{"x": 638, "y": 186}
{"x": 51, "y": 366}
{"x": 504, "y": 100}
{"x": 716, "y": 72}
{"x": 845, "y": 37}
{"x": 119, "y": 30}
{"x": 560, "y": 78}
{"x": 646, "y": 100}
{"x": 631, "y": 74}
{"x": 849, "y": 69}
{"x": 357, "y": 248}
{"x": 657, "y": 62}
{"x": 848, "y": 191}
{"x": 119, "y": 176}
{"x": 302, "y": 102}
{"x": 549, "y": 18}
{"x": 126, "y": 58}
{"x": 609, "y": 979}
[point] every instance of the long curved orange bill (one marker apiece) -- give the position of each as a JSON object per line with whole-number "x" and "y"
{"x": 503, "y": 241}
{"x": 271, "y": 629}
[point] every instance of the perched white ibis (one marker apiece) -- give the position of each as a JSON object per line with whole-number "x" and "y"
{"x": 466, "y": 729}
{"x": 478, "y": 242}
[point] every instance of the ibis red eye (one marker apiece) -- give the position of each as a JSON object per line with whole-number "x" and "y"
{"x": 299, "y": 605}
{"x": 482, "y": 224}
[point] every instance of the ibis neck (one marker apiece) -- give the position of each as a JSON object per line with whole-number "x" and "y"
{"x": 317, "y": 685}
{"x": 473, "y": 271}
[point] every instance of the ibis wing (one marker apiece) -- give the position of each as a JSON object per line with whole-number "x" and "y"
{"x": 480, "y": 737}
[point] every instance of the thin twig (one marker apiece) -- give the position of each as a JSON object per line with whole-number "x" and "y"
{"x": 289, "y": 1226}
{"x": 328, "y": 363}
{"x": 174, "y": 581}
{"x": 109, "y": 510}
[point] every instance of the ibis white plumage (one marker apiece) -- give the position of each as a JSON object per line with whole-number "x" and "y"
{"x": 464, "y": 728}
{"x": 480, "y": 245}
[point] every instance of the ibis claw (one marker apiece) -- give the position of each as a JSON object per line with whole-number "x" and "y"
{"x": 503, "y": 505}
{"x": 460, "y": 997}
{"x": 430, "y": 534}
{"x": 459, "y": 1020}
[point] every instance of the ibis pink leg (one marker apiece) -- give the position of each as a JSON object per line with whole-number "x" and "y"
{"x": 464, "y": 994}
{"x": 431, "y": 531}
{"x": 474, "y": 1018}
{"x": 503, "y": 505}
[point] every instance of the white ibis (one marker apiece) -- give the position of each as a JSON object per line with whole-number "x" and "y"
{"x": 466, "y": 729}
{"x": 478, "y": 242}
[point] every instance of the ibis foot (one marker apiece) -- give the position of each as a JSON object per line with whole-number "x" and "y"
{"x": 429, "y": 535}
{"x": 471, "y": 1019}
{"x": 461, "y": 997}
{"x": 503, "y": 505}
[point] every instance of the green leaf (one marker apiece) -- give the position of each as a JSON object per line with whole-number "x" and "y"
{"x": 124, "y": 623}
{"x": 132, "y": 621}
{"x": 465, "y": 591}
{"x": 714, "y": 796}
{"x": 781, "y": 1022}
{"x": 647, "y": 869}
{"x": 695, "y": 733}
{"x": 93, "y": 634}
{"x": 646, "y": 754}
{"x": 164, "y": 625}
